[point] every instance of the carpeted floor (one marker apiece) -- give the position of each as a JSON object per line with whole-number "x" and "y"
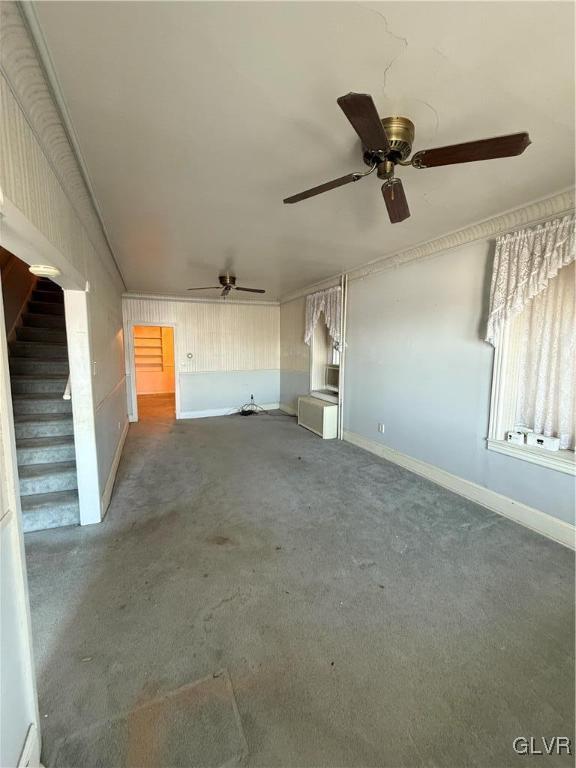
{"x": 365, "y": 616}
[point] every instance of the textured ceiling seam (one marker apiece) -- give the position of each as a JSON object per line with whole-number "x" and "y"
{"x": 533, "y": 213}
{"x": 30, "y": 18}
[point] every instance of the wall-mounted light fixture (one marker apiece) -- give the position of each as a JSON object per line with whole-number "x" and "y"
{"x": 44, "y": 270}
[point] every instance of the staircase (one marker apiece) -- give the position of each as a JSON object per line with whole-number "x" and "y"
{"x": 38, "y": 359}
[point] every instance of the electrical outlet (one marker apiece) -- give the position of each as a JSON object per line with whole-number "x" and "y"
{"x": 381, "y": 427}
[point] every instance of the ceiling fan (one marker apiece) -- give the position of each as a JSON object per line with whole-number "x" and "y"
{"x": 388, "y": 142}
{"x": 227, "y": 283}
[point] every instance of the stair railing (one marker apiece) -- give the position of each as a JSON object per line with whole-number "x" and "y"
{"x": 68, "y": 391}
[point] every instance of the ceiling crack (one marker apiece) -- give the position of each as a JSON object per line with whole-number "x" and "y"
{"x": 434, "y": 110}
{"x": 403, "y": 40}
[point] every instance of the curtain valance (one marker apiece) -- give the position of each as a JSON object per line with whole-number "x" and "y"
{"x": 524, "y": 263}
{"x": 329, "y": 302}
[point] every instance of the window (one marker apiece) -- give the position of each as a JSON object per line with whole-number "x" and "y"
{"x": 324, "y": 373}
{"x": 534, "y": 382}
{"x": 323, "y": 333}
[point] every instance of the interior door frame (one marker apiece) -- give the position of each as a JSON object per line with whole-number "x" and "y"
{"x": 131, "y": 372}
{"x": 19, "y": 236}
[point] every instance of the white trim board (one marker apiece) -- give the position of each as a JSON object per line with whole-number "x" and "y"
{"x": 30, "y": 755}
{"x": 537, "y": 521}
{"x": 222, "y": 411}
{"x": 109, "y": 487}
{"x": 560, "y": 461}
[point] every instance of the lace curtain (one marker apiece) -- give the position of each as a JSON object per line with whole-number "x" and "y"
{"x": 546, "y": 334}
{"x": 329, "y": 302}
{"x": 524, "y": 263}
{"x": 533, "y": 294}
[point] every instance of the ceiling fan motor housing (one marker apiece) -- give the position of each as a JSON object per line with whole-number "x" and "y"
{"x": 400, "y": 133}
{"x": 227, "y": 280}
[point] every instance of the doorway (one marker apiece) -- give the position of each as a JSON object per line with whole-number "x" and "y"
{"x": 154, "y": 371}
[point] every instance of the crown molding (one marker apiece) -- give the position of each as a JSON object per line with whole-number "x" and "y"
{"x": 530, "y": 214}
{"x": 533, "y": 213}
{"x": 322, "y": 285}
{"x": 197, "y": 300}
{"x": 28, "y": 70}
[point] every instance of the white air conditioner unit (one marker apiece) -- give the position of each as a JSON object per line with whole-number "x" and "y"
{"x": 318, "y": 416}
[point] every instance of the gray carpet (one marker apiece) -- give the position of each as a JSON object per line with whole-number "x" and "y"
{"x": 366, "y": 616}
{"x": 196, "y": 725}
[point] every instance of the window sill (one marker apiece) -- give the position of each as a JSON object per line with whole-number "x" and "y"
{"x": 561, "y": 461}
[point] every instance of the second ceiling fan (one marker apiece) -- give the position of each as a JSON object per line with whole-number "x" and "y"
{"x": 227, "y": 283}
{"x": 388, "y": 142}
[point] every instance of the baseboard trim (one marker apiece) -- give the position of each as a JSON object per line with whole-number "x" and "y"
{"x": 30, "y": 755}
{"x": 537, "y": 521}
{"x": 109, "y": 487}
{"x": 288, "y": 409}
{"x": 221, "y": 411}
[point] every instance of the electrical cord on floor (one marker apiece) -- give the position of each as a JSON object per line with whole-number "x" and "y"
{"x": 252, "y": 408}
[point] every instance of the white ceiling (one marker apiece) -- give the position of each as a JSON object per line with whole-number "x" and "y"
{"x": 195, "y": 120}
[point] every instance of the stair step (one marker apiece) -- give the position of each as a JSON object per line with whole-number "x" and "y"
{"x": 43, "y": 321}
{"x": 52, "y": 351}
{"x": 45, "y": 308}
{"x": 35, "y": 383}
{"x": 25, "y": 365}
{"x": 33, "y": 333}
{"x": 50, "y": 510}
{"x": 45, "y": 450}
{"x": 43, "y": 425}
{"x": 40, "y": 403}
{"x": 47, "y": 478}
{"x": 49, "y": 295}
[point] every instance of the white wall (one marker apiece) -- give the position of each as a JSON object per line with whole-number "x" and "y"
{"x": 416, "y": 361}
{"x": 42, "y": 185}
{"x": 234, "y": 348}
{"x": 294, "y": 354}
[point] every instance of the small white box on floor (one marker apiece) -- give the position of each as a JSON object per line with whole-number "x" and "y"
{"x": 318, "y": 416}
{"x": 517, "y": 438}
{"x": 541, "y": 441}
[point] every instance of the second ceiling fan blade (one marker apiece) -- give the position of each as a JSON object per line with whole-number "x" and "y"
{"x": 350, "y": 177}
{"x": 471, "y": 151}
{"x": 250, "y": 290}
{"x": 395, "y": 200}
{"x": 364, "y": 118}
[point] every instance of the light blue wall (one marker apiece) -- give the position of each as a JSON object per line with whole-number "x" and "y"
{"x": 416, "y": 361}
{"x": 227, "y": 390}
{"x": 293, "y": 384}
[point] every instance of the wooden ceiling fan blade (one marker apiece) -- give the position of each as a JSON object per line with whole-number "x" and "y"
{"x": 484, "y": 149}
{"x": 350, "y": 177}
{"x": 204, "y": 288}
{"x": 364, "y": 118}
{"x": 250, "y": 290}
{"x": 395, "y": 200}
